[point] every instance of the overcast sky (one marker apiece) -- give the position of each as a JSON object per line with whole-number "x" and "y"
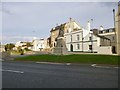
{"x": 21, "y": 21}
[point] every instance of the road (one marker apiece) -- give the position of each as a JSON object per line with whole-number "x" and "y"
{"x": 37, "y": 75}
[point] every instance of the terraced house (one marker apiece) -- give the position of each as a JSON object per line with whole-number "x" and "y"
{"x": 69, "y": 26}
{"x": 85, "y": 40}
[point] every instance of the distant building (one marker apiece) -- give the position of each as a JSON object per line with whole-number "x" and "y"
{"x": 22, "y": 45}
{"x": 39, "y": 44}
{"x": 2, "y": 48}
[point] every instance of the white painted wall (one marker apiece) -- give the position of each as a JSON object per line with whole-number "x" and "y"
{"x": 39, "y": 44}
{"x": 105, "y": 50}
{"x": 75, "y": 41}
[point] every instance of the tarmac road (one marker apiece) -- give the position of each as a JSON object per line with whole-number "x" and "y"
{"x": 39, "y": 75}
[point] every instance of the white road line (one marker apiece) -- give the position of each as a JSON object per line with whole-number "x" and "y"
{"x": 68, "y": 63}
{"x": 50, "y": 63}
{"x": 95, "y": 65}
{"x": 12, "y": 71}
{"x": 54, "y": 63}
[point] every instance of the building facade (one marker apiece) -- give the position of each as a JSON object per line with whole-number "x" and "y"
{"x": 69, "y": 26}
{"x": 111, "y": 35}
{"x": 78, "y": 41}
{"x": 117, "y": 23}
{"x": 23, "y": 45}
{"x": 54, "y": 34}
{"x": 39, "y": 44}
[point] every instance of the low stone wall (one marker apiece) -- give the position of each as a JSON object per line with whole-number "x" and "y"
{"x": 105, "y": 50}
{"x": 36, "y": 52}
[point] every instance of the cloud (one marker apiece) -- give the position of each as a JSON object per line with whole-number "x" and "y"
{"x": 59, "y": 0}
{"x": 40, "y": 17}
{"x": 14, "y": 39}
{"x": 3, "y": 10}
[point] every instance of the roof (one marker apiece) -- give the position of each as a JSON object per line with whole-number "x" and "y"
{"x": 103, "y": 37}
{"x": 57, "y": 27}
{"x": 108, "y": 29}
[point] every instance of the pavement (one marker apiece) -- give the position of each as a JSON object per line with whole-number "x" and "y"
{"x": 17, "y": 74}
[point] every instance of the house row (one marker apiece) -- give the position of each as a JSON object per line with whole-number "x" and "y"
{"x": 79, "y": 39}
{"x": 35, "y": 45}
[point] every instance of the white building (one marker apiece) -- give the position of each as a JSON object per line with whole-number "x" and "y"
{"x": 20, "y": 43}
{"x": 110, "y": 34}
{"x": 83, "y": 40}
{"x": 39, "y": 44}
{"x": 71, "y": 25}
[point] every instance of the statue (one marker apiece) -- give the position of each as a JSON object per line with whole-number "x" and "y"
{"x": 60, "y": 48}
{"x": 61, "y": 33}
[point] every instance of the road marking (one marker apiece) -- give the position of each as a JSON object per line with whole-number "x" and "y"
{"x": 95, "y": 65}
{"x": 11, "y": 71}
{"x": 54, "y": 63}
{"x": 68, "y": 63}
{"x": 50, "y": 63}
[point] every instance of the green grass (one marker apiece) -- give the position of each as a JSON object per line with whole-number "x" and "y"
{"x": 75, "y": 58}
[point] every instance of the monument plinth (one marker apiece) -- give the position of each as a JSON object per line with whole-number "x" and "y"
{"x": 60, "y": 48}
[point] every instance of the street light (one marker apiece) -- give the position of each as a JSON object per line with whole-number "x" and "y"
{"x": 114, "y": 16}
{"x": 114, "y": 28}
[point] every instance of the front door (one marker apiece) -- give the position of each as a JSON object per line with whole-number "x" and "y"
{"x": 113, "y": 49}
{"x": 71, "y": 48}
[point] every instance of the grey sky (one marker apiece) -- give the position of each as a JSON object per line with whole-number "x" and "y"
{"x": 25, "y": 20}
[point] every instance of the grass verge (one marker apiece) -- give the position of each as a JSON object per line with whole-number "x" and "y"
{"x": 75, "y": 58}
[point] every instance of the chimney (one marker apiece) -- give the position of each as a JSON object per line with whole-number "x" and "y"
{"x": 70, "y": 19}
{"x": 101, "y": 27}
{"x": 88, "y": 25}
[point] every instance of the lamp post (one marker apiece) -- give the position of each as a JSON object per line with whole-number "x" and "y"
{"x": 114, "y": 29}
{"x": 114, "y": 16}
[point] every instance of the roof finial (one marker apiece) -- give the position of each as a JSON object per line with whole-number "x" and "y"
{"x": 56, "y": 24}
{"x": 70, "y": 19}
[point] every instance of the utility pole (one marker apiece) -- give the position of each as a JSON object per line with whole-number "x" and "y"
{"x": 114, "y": 16}
{"x": 82, "y": 40}
{"x": 92, "y": 36}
